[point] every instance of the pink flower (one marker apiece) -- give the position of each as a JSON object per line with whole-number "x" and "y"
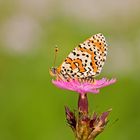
{"x": 84, "y": 85}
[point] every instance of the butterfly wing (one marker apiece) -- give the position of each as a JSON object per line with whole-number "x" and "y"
{"x": 86, "y": 60}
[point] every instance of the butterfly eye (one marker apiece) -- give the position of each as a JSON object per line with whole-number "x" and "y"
{"x": 53, "y": 70}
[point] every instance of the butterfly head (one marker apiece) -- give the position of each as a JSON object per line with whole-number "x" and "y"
{"x": 53, "y": 71}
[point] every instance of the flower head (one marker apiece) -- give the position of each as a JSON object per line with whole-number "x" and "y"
{"x": 83, "y": 86}
{"x": 87, "y": 127}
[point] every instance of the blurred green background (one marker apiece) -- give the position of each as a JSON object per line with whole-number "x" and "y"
{"x": 31, "y": 108}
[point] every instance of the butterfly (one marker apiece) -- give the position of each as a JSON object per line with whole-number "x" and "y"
{"x": 85, "y": 61}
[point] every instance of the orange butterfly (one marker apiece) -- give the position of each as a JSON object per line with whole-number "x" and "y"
{"x": 85, "y": 61}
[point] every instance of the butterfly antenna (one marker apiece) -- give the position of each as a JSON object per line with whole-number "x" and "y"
{"x": 55, "y": 55}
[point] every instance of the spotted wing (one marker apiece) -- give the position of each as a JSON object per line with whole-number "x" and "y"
{"x": 86, "y": 60}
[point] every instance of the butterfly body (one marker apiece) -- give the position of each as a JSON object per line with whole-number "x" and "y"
{"x": 86, "y": 60}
